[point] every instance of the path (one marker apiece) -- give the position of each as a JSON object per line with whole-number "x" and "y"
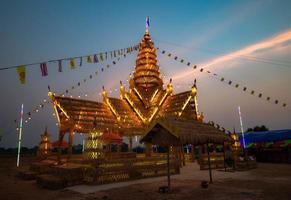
{"x": 190, "y": 172}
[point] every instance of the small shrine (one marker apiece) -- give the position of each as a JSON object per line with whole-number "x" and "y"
{"x": 45, "y": 147}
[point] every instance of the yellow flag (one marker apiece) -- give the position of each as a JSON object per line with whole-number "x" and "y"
{"x": 72, "y": 63}
{"x": 21, "y": 73}
{"x": 89, "y": 59}
{"x": 101, "y": 57}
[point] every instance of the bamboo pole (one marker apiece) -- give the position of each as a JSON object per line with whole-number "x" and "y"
{"x": 224, "y": 156}
{"x": 209, "y": 165}
{"x": 19, "y": 136}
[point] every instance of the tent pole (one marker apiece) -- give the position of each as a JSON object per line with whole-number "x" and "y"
{"x": 209, "y": 164}
{"x": 168, "y": 168}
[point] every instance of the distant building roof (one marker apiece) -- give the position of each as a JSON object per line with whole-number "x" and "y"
{"x": 266, "y": 136}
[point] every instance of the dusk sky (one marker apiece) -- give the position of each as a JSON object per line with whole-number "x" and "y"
{"x": 248, "y": 42}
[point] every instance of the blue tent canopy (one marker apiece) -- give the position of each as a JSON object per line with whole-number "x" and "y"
{"x": 266, "y": 136}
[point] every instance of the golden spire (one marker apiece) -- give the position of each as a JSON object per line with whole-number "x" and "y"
{"x": 147, "y": 72}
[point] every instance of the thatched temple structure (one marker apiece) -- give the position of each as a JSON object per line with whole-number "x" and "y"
{"x": 146, "y": 106}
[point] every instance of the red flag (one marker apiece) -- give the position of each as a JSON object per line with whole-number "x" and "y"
{"x": 43, "y": 68}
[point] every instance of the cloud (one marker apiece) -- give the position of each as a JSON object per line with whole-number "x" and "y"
{"x": 268, "y": 44}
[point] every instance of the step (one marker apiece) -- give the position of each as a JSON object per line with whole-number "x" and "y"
{"x": 27, "y": 174}
{"x": 50, "y": 182}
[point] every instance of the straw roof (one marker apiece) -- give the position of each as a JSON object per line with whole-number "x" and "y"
{"x": 175, "y": 132}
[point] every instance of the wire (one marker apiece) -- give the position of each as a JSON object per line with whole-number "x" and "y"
{"x": 56, "y": 60}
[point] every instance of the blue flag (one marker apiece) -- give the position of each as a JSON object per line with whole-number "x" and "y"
{"x": 147, "y": 23}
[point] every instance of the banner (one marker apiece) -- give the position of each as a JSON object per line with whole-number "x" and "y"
{"x": 43, "y": 69}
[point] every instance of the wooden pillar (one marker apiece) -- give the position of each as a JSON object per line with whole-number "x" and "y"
{"x": 182, "y": 155}
{"x": 148, "y": 149}
{"x": 209, "y": 164}
{"x": 71, "y": 141}
{"x": 193, "y": 152}
{"x": 234, "y": 157}
{"x": 168, "y": 169}
{"x": 130, "y": 144}
{"x": 61, "y": 137}
{"x": 224, "y": 156}
{"x": 119, "y": 146}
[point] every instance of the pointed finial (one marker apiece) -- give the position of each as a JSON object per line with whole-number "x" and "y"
{"x": 45, "y": 131}
{"x": 147, "y": 23}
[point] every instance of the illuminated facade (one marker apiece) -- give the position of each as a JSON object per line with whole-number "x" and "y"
{"x": 144, "y": 102}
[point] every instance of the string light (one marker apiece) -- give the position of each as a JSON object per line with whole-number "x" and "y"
{"x": 86, "y": 95}
{"x": 222, "y": 79}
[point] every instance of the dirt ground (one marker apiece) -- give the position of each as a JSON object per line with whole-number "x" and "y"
{"x": 268, "y": 181}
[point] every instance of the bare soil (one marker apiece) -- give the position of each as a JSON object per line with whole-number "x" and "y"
{"x": 268, "y": 181}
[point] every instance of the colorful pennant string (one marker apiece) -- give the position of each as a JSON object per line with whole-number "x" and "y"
{"x": 222, "y": 79}
{"x": 41, "y": 105}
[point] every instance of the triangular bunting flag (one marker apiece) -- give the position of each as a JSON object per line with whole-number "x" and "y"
{"x": 43, "y": 68}
{"x": 21, "y": 74}
{"x": 60, "y": 65}
{"x": 101, "y": 57}
{"x": 95, "y": 59}
{"x": 89, "y": 59}
{"x": 72, "y": 63}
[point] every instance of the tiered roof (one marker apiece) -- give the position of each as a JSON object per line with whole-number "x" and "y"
{"x": 143, "y": 103}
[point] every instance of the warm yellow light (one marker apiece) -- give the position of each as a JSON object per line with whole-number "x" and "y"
{"x": 138, "y": 94}
{"x": 154, "y": 113}
{"x": 61, "y": 108}
{"x": 193, "y": 91}
{"x": 164, "y": 97}
{"x": 196, "y": 104}
{"x": 135, "y": 109}
{"x": 184, "y": 106}
{"x": 155, "y": 93}
{"x": 112, "y": 109}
